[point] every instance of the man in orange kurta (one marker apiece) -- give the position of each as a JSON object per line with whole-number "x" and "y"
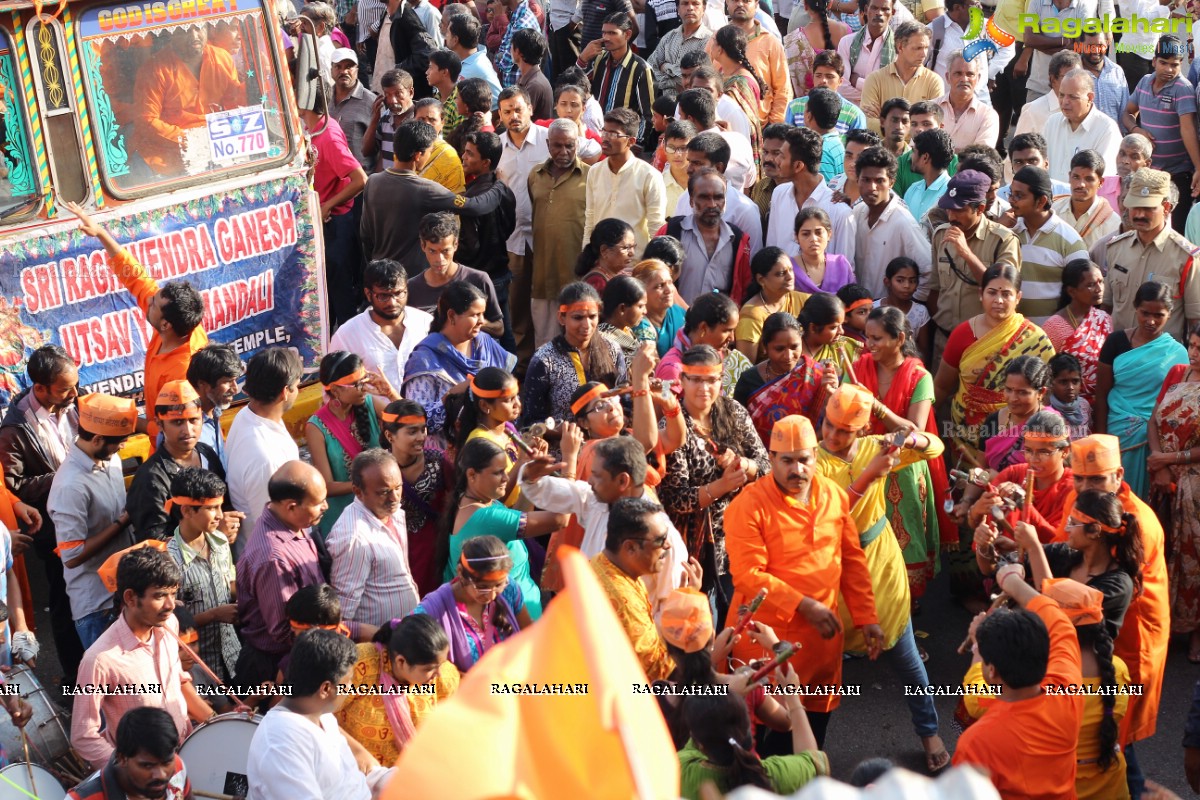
{"x": 1142, "y": 641}
{"x": 790, "y": 532}
{"x": 1027, "y": 739}
{"x": 175, "y": 313}
{"x": 175, "y": 90}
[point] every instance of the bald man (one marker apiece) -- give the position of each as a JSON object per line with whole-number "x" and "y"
{"x": 282, "y": 557}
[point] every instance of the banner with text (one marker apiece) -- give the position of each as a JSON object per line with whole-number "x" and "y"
{"x": 252, "y": 253}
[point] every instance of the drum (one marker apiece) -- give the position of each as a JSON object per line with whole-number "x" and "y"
{"x": 48, "y": 730}
{"x": 217, "y": 752}
{"x": 42, "y": 785}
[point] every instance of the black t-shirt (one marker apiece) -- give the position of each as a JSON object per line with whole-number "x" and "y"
{"x": 425, "y": 297}
{"x": 1116, "y": 585}
{"x": 1115, "y": 345}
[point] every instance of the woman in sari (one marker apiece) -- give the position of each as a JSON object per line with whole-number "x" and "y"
{"x": 805, "y": 388}
{"x": 455, "y": 349}
{"x": 475, "y": 509}
{"x": 406, "y": 656}
{"x": 1026, "y": 381}
{"x": 664, "y": 311}
{"x": 802, "y": 45}
{"x": 743, "y": 84}
{"x": 856, "y": 463}
{"x": 712, "y": 320}
{"x": 1132, "y": 368}
{"x": 425, "y": 477}
{"x": 578, "y": 355}
{"x": 346, "y": 424}
{"x": 971, "y": 375}
{"x": 479, "y": 607}
{"x": 720, "y": 455}
{"x": 609, "y": 253}
{"x": 1174, "y": 466}
{"x": 891, "y": 371}
{"x": 1080, "y": 327}
{"x": 772, "y": 291}
{"x": 781, "y": 346}
{"x": 622, "y": 309}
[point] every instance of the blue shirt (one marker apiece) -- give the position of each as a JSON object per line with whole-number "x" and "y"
{"x": 477, "y": 65}
{"x": 211, "y": 433}
{"x": 920, "y": 198}
{"x": 1112, "y": 92}
{"x": 833, "y": 155}
{"x": 850, "y": 117}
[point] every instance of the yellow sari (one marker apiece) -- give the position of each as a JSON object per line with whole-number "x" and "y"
{"x": 842, "y": 351}
{"x": 981, "y": 377}
{"x": 889, "y": 577}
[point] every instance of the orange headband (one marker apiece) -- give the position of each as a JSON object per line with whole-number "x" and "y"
{"x": 193, "y": 502}
{"x": 702, "y": 370}
{"x": 494, "y": 575}
{"x": 866, "y": 301}
{"x": 409, "y": 419}
{"x": 300, "y": 627}
{"x": 582, "y": 305}
{"x": 1045, "y": 438}
{"x": 190, "y": 636}
{"x": 349, "y": 380}
{"x": 588, "y": 396}
{"x": 492, "y": 394}
{"x": 1086, "y": 520}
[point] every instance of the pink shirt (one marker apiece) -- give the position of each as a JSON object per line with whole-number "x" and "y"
{"x": 868, "y": 62}
{"x": 150, "y": 673}
{"x": 335, "y": 164}
{"x": 979, "y": 124}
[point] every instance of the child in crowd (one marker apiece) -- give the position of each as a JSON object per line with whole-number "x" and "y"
{"x": 858, "y": 303}
{"x": 483, "y": 411}
{"x": 664, "y": 114}
{"x": 1065, "y": 383}
{"x": 900, "y": 282}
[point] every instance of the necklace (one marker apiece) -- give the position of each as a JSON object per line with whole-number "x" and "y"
{"x": 474, "y": 499}
{"x": 411, "y": 463}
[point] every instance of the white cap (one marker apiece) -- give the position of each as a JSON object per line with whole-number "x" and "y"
{"x": 343, "y": 54}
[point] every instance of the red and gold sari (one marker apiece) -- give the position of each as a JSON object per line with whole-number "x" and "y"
{"x": 798, "y": 392}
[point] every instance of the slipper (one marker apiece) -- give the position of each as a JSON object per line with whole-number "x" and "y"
{"x": 937, "y": 761}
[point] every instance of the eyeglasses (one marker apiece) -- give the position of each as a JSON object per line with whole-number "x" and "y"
{"x": 1040, "y": 455}
{"x": 494, "y": 588}
{"x": 654, "y": 544}
{"x": 614, "y": 135}
{"x": 603, "y": 404}
{"x": 673, "y": 150}
{"x": 396, "y": 295}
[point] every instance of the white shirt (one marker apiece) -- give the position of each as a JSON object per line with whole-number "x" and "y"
{"x": 739, "y": 210}
{"x": 741, "y": 171}
{"x": 895, "y": 233}
{"x": 514, "y": 168}
{"x": 562, "y": 496}
{"x": 1034, "y": 115}
{"x": 293, "y": 759}
{"x": 1142, "y": 44}
{"x": 370, "y": 566}
{"x": 634, "y": 193}
{"x": 431, "y": 18}
{"x": 360, "y": 334}
{"x": 781, "y": 225}
{"x": 255, "y": 448}
{"x": 1097, "y": 132}
{"x": 729, "y": 111}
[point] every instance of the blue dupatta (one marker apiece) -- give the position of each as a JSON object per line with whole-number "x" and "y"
{"x": 1138, "y": 376}
{"x": 435, "y": 355}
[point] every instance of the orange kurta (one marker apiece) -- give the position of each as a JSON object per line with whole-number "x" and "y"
{"x": 1145, "y": 634}
{"x": 796, "y": 551}
{"x": 8, "y": 517}
{"x": 161, "y": 368}
{"x": 1029, "y": 746}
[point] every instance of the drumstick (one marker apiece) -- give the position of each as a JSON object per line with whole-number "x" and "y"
{"x": 746, "y": 612}
{"x": 200, "y": 662}
{"x": 28, "y": 764}
{"x": 1026, "y": 510}
{"x": 849, "y": 368}
{"x": 998, "y": 601}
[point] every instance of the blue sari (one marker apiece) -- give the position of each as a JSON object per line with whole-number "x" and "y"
{"x": 436, "y": 366}
{"x": 1138, "y": 376}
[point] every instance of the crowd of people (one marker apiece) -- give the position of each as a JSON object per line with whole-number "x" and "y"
{"x": 793, "y": 303}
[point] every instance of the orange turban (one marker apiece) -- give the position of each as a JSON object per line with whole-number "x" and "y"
{"x": 108, "y": 570}
{"x": 793, "y": 433}
{"x": 685, "y": 620}
{"x": 106, "y": 415}
{"x": 183, "y": 398}
{"x": 1081, "y": 603}
{"x": 1098, "y": 454}
{"x": 849, "y": 406}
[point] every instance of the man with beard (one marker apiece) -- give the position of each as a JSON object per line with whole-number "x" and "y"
{"x": 868, "y": 50}
{"x": 716, "y": 254}
{"x": 144, "y": 765}
{"x": 135, "y": 660}
{"x": 1112, "y": 90}
{"x": 385, "y": 334}
{"x": 353, "y": 104}
{"x": 637, "y": 543}
{"x": 790, "y": 533}
{"x": 905, "y": 77}
{"x": 802, "y": 186}
{"x": 968, "y": 119}
{"x": 281, "y": 558}
{"x": 689, "y": 35}
{"x": 963, "y": 249}
{"x": 213, "y": 372}
{"x": 391, "y": 109}
{"x": 369, "y": 546}
{"x": 620, "y": 79}
{"x": 557, "y": 198}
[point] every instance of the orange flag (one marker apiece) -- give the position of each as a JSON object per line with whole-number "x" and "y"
{"x": 600, "y": 740}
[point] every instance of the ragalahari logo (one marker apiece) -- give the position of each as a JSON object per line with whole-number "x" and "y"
{"x": 984, "y": 37}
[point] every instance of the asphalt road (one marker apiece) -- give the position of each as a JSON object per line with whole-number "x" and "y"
{"x": 877, "y": 722}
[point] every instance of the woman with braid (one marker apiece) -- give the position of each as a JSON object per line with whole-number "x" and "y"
{"x": 743, "y": 84}
{"x": 802, "y": 45}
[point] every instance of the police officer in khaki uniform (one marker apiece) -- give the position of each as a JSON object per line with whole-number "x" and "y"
{"x": 1152, "y": 252}
{"x": 963, "y": 250}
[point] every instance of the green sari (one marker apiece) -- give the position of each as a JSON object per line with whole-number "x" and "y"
{"x": 507, "y": 525}
{"x": 340, "y": 454}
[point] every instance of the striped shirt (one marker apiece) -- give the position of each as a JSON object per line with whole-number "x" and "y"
{"x": 1044, "y": 253}
{"x": 1159, "y": 114}
{"x": 664, "y": 61}
{"x": 370, "y": 566}
{"x": 370, "y": 18}
{"x": 205, "y": 585}
{"x": 624, "y": 84}
{"x": 850, "y": 118}
{"x": 522, "y": 17}
{"x": 1112, "y": 92}
{"x": 276, "y": 564}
